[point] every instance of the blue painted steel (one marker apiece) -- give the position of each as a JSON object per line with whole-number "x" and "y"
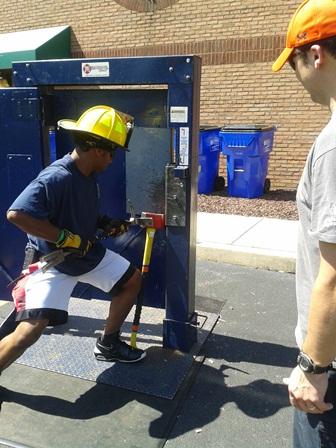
{"x": 143, "y": 70}
{"x": 181, "y": 75}
{"x": 21, "y": 158}
{"x": 180, "y": 334}
{"x": 181, "y": 241}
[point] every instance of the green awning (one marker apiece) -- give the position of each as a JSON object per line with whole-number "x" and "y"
{"x": 32, "y": 45}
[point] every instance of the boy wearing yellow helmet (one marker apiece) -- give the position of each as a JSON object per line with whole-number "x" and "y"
{"x": 60, "y": 210}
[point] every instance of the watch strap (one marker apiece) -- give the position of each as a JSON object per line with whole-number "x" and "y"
{"x": 307, "y": 365}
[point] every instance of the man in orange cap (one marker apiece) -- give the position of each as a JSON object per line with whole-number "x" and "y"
{"x": 311, "y": 52}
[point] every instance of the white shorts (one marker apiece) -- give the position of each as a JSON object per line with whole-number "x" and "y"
{"x": 46, "y": 295}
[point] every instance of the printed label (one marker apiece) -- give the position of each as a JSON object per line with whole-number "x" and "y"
{"x": 179, "y": 114}
{"x": 95, "y": 69}
{"x": 184, "y": 146}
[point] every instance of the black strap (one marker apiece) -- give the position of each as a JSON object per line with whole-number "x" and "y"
{"x": 31, "y": 256}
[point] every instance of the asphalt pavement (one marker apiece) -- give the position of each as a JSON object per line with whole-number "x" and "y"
{"x": 233, "y": 396}
{"x": 238, "y": 399}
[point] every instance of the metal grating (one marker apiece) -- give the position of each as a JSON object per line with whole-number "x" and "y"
{"x": 68, "y": 349}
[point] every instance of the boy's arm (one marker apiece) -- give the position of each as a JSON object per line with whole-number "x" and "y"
{"x": 41, "y": 228}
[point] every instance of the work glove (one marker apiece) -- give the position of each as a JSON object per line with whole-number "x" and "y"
{"x": 112, "y": 227}
{"x": 73, "y": 243}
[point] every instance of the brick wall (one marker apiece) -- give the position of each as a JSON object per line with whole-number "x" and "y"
{"x": 237, "y": 40}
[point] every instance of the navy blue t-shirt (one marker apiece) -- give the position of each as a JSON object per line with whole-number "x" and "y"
{"x": 69, "y": 200}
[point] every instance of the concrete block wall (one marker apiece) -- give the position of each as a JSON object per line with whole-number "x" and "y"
{"x": 237, "y": 40}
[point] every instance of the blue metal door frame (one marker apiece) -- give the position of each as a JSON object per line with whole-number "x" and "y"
{"x": 21, "y": 159}
{"x": 181, "y": 74}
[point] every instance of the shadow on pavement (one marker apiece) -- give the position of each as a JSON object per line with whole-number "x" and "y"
{"x": 259, "y": 398}
{"x": 233, "y": 349}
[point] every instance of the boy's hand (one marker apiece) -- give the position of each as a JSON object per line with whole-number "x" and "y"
{"x": 70, "y": 242}
{"x": 112, "y": 227}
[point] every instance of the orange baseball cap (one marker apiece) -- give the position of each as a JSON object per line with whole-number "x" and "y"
{"x": 313, "y": 20}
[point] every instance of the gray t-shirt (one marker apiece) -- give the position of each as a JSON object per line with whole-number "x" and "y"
{"x": 316, "y": 201}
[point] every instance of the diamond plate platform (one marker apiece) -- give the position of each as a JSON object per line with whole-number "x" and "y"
{"x": 68, "y": 349}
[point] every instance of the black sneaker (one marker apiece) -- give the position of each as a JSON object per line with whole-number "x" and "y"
{"x": 117, "y": 350}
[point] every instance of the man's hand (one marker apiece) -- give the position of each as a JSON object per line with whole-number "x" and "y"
{"x": 73, "y": 243}
{"x": 112, "y": 227}
{"x": 307, "y": 391}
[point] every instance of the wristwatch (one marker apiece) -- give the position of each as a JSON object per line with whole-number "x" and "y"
{"x": 307, "y": 365}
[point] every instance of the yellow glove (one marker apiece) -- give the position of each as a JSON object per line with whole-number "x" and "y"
{"x": 73, "y": 243}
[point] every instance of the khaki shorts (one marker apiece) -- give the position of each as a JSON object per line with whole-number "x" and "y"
{"x": 46, "y": 295}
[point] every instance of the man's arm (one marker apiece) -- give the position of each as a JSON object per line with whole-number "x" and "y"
{"x": 37, "y": 227}
{"x": 320, "y": 343}
{"x": 307, "y": 391}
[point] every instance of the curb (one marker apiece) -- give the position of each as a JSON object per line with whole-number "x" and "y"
{"x": 244, "y": 256}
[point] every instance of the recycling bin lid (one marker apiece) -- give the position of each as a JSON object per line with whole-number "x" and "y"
{"x": 209, "y": 127}
{"x": 247, "y": 128}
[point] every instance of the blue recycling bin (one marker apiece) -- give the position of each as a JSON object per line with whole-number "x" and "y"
{"x": 247, "y": 148}
{"x": 208, "y": 159}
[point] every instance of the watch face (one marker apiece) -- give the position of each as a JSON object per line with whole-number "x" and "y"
{"x": 305, "y": 363}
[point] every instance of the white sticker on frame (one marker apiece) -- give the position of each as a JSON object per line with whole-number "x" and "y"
{"x": 179, "y": 114}
{"x": 95, "y": 69}
{"x": 184, "y": 146}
